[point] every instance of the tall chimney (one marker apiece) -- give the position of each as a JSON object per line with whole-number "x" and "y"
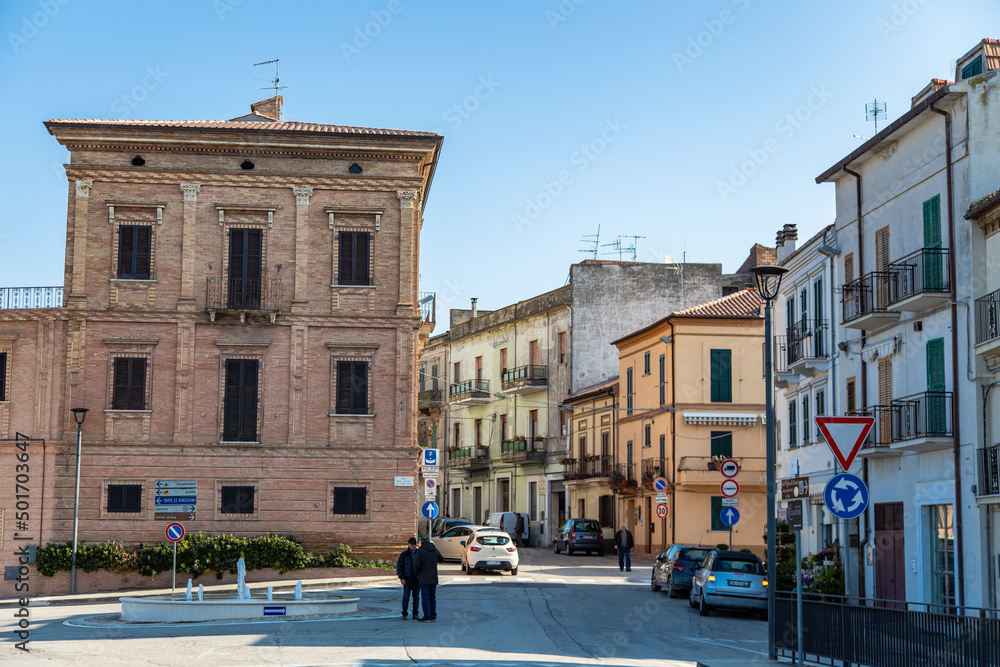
{"x": 475, "y": 311}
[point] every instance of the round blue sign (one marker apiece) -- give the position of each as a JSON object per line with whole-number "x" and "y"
{"x": 660, "y": 484}
{"x": 429, "y": 509}
{"x": 846, "y": 496}
{"x": 730, "y": 516}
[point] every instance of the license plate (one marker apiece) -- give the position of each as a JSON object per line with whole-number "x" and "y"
{"x": 492, "y": 562}
{"x": 739, "y": 583}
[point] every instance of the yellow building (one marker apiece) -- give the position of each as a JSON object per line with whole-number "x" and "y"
{"x": 593, "y": 421}
{"x": 692, "y": 395}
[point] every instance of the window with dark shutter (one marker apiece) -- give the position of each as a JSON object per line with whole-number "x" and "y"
{"x": 352, "y": 387}
{"x": 240, "y": 404}
{"x": 717, "y": 514}
{"x": 350, "y": 500}
{"x": 134, "y": 252}
{"x": 354, "y": 265}
{"x": 722, "y": 376}
{"x": 793, "y": 424}
{"x": 663, "y": 381}
{"x": 129, "y": 384}
{"x": 3, "y": 376}
{"x": 628, "y": 392}
{"x": 124, "y": 498}
{"x": 645, "y": 364}
{"x": 236, "y": 500}
{"x": 974, "y": 68}
{"x": 722, "y": 444}
{"x": 245, "y": 258}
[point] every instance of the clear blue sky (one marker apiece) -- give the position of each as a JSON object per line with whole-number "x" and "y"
{"x": 557, "y": 116}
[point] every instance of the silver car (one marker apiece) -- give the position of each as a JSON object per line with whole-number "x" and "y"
{"x": 730, "y": 580}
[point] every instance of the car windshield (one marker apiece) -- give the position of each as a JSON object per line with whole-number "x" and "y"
{"x": 492, "y": 540}
{"x": 734, "y": 565}
{"x": 586, "y": 525}
{"x": 693, "y": 554}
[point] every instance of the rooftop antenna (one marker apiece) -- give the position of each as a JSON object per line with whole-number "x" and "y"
{"x": 595, "y": 239}
{"x": 875, "y": 111}
{"x": 275, "y": 82}
{"x": 632, "y": 248}
{"x": 617, "y": 245}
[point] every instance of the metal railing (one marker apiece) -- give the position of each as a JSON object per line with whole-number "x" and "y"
{"x": 917, "y": 416}
{"x": 468, "y": 455}
{"x": 989, "y": 471}
{"x": 623, "y": 478}
{"x": 887, "y": 633}
{"x": 926, "y": 270}
{"x": 245, "y": 294}
{"x": 650, "y": 469}
{"x": 746, "y": 463}
{"x": 988, "y": 317}
{"x": 30, "y": 297}
{"x": 806, "y": 339}
{"x": 428, "y": 303}
{"x": 531, "y": 374}
{"x": 430, "y": 398}
{"x": 459, "y": 389}
{"x": 779, "y": 360}
{"x": 871, "y": 293}
{"x": 590, "y": 467}
{"x": 522, "y": 449}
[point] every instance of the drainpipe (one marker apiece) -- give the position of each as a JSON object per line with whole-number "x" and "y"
{"x": 673, "y": 436}
{"x": 957, "y": 448}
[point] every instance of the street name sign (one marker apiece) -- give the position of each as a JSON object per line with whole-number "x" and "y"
{"x": 177, "y": 484}
{"x": 730, "y": 516}
{"x": 661, "y": 511}
{"x": 431, "y": 473}
{"x": 729, "y": 468}
{"x": 174, "y": 516}
{"x": 175, "y": 500}
{"x": 846, "y": 496}
{"x": 402, "y": 481}
{"x": 730, "y": 502}
{"x": 660, "y": 484}
{"x": 794, "y": 515}
{"x": 845, "y": 436}
{"x": 794, "y": 487}
{"x": 730, "y": 488}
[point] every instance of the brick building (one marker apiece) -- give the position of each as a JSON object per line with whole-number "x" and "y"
{"x": 240, "y": 308}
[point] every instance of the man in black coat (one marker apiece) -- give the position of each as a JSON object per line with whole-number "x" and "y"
{"x": 407, "y": 572}
{"x": 519, "y": 529}
{"x": 624, "y": 545}
{"x": 425, "y": 561}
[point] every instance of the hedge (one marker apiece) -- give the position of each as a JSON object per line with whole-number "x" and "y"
{"x": 196, "y": 554}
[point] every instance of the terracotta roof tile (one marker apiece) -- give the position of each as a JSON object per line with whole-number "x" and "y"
{"x": 276, "y": 126}
{"x": 743, "y": 304}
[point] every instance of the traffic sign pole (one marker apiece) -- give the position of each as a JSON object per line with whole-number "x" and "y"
{"x": 173, "y": 581}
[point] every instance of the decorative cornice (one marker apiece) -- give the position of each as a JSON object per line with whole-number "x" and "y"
{"x": 302, "y": 195}
{"x": 406, "y": 198}
{"x": 224, "y": 343}
{"x": 190, "y": 191}
{"x": 83, "y": 187}
{"x": 125, "y": 341}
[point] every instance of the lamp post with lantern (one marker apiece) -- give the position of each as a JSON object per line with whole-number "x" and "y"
{"x": 79, "y": 414}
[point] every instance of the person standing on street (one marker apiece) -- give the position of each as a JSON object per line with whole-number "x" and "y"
{"x": 425, "y": 561}
{"x": 519, "y": 529}
{"x": 406, "y": 570}
{"x": 624, "y": 544}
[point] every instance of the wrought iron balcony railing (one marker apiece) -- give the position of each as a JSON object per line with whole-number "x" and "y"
{"x": 870, "y": 293}
{"x": 926, "y": 270}
{"x": 989, "y": 471}
{"x": 623, "y": 478}
{"x": 589, "y": 467}
{"x": 30, "y": 297}
{"x": 746, "y": 463}
{"x": 428, "y": 306}
{"x": 919, "y": 416}
{"x": 523, "y": 449}
{"x": 988, "y": 317}
{"x": 651, "y": 470}
{"x": 469, "y": 388}
{"x": 806, "y": 339}
{"x": 243, "y": 294}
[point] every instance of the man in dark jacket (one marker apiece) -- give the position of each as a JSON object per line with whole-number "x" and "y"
{"x": 519, "y": 529}
{"x": 407, "y": 572}
{"x": 624, "y": 544}
{"x": 425, "y": 561}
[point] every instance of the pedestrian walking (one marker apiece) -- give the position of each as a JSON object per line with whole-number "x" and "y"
{"x": 425, "y": 561}
{"x": 406, "y": 570}
{"x": 624, "y": 545}
{"x": 519, "y": 529}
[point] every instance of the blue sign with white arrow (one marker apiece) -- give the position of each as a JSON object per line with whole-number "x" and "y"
{"x": 730, "y": 516}
{"x": 846, "y": 496}
{"x": 429, "y": 509}
{"x": 176, "y": 500}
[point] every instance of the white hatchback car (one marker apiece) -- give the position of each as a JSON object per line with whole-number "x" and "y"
{"x": 489, "y": 550}
{"x": 451, "y": 543}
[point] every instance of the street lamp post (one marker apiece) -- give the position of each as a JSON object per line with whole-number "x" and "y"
{"x": 768, "y": 283}
{"x": 79, "y": 414}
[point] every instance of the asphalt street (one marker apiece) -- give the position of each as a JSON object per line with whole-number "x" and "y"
{"x": 558, "y": 610}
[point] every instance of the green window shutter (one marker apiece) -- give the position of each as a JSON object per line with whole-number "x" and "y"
{"x": 935, "y": 364}
{"x": 806, "y": 426}
{"x": 804, "y": 305}
{"x": 722, "y": 376}
{"x": 793, "y": 436}
{"x": 932, "y": 222}
{"x": 933, "y": 272}
{"x": 973, "y": 68}
{"x": 722, "y": 444}
{"x": 717, "y": 524}
{"x": 790, "y": 311}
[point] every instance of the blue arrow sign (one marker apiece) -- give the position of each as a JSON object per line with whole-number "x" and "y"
{"x": 846, "y": 496}
{"x": 730, "y": 516}
{"x": 175, "y": 500}
{"x": 429, "y": 509}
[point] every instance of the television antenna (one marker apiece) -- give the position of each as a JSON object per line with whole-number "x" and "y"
{"x": 275, "y": 82}
{"x": 617, "y": 245}
{"x": 875, "y": 111}
{"x": 594, "y": 239}
{"x": 632, "y": 248}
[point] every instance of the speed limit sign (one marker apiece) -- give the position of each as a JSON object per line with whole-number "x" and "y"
{"x": 661, "y": 510}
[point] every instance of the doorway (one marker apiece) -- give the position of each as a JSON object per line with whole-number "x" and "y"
{"x": 245, "y": 255}
{"x": 477, "y": 505}
{"x": 890, "y": 555}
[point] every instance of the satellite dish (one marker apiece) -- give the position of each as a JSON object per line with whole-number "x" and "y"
{"x": 669, "y": 260}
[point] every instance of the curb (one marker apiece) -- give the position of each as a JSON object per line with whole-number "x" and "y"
{"x": 259, "y": 587}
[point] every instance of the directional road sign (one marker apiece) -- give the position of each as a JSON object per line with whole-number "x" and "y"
{"x": 846, "y": 496}
{"x": 660, "y": 484}
{"x": 175, "y": 532}
{"x": 794, "y": 487}
{"x": 429, "y": 457}
{"x": 794, "y": 515}
{"x": 429, "y": 509}
{"x": 177, "y": 484}
{"x": 170, "y": 509}
{"x": 730, "y": 516}
{"x": 845, "y": 435}
{"x": 730, "y": 488}
{"x": 174, "y": 516}
{"x": 661, "y": 511}
{"x": 175, "y": 500}
{"x": 729, "y": 468}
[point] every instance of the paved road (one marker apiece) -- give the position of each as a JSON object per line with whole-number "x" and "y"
{"x": 558, "y": 610}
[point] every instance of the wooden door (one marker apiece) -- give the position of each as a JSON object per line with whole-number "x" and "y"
{"x": 890, "y": 559}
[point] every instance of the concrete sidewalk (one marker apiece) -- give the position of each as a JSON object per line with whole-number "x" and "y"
{"x": 259, "y": 588}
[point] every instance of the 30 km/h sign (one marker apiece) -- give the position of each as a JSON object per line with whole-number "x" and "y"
{"x": 729, "y": 468}
{"x": 845, "y": 435}
{"x": 730, "y": 488}
{"x": 661, "y": 511}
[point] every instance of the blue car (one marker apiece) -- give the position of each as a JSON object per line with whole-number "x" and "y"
{"x": 730, "y": 580}
{"x": 674, "y": 568}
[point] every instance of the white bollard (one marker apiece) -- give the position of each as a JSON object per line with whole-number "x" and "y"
{"x": 298, "y": 590}
{"x": 187, "y": 593}
{"x": 270, "y": 589}
{"x": 201, "y": 593}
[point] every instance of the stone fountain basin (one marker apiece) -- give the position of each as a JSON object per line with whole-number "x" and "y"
{"x": 174, "y": 608}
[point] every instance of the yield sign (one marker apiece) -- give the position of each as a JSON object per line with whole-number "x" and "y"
{"x": 845, "y": 435}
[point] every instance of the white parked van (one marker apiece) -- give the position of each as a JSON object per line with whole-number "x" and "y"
{"x": 506, "y": 521}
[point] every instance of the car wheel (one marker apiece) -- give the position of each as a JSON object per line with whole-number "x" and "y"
{"x": 652, "y": 583}
{"x": 600, "y": 552}
{"x": 569, "y": 549}
{"x": 513, "y": 571}
{"x": 703, "y": 607}
{"x": 691, "y": 601}
{"x": 762, "y": 614}
{"x": 555, "y": 546}
{"x": 463, "y": 566}
{"x": 671, "y": 591}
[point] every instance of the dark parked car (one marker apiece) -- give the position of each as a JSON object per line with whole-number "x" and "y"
{"x": 580, "y": 535}
{"x": 731, "y": 580}
{"x": 674, "y": 568}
